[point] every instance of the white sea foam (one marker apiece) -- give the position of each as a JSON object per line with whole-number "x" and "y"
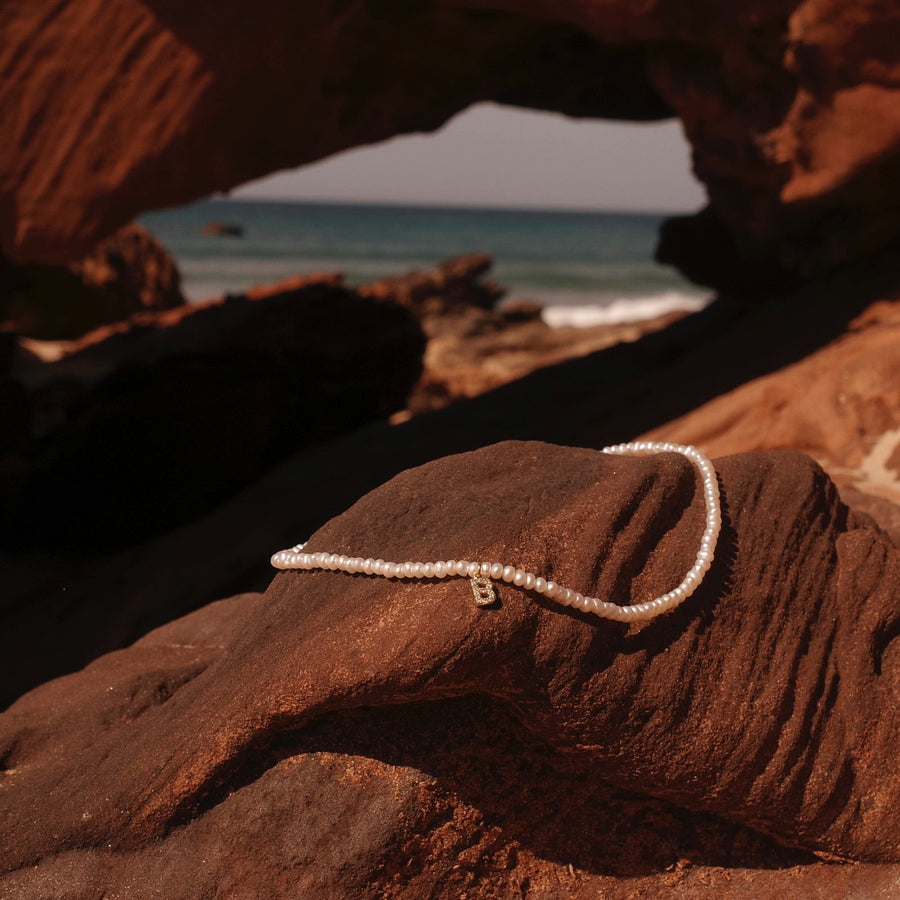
{"x": 624, "y": 309}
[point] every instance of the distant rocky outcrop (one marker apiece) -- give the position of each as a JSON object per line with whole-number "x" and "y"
{"x": 352, "y": 736}
{"x": 223, "y": 229}
{"x": 790, "y": 107}
{"x": 439, "y": 294}
{"x": 475, "y": 342}
{"x": 128, "y": 272}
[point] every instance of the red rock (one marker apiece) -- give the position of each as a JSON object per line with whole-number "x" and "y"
{"x": 306, "y": 742}
{"x": 153, "y": 421}
{"x": 475, "y": 346}
{"x": 791, "y": 107}
{"x": 128, "y": 272}
{"x": 840, "y": 404}
{"x": 436, "y": 295}
{"x": 105, "y": 599}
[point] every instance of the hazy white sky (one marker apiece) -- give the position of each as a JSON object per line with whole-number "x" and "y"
{"x": 501, "y": 156}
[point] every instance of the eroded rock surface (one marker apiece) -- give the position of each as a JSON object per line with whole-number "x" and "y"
{"x": 791, "y": 107}
{"x": 764, "y": 700}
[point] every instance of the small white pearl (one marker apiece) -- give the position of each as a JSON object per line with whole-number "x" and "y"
{"x": 439, "y": 570}
{"x": 417, "y": 570}
{"x": 540, "y": 585}
{"x": 528, "y": 584}
{"x": 428, "y": 570}
{"x": 508, "y": 573}
{"x": 519, "y": 578}
{"x": 462, "y": 567}
{"x": 474, "y": 569}
{"x": 551, "y": 590}
{"x": 496, "y": 570}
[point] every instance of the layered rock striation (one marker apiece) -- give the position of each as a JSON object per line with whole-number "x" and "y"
{"x": 763, "y": 700}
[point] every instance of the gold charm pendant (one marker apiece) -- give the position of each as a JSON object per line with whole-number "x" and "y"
{"x": 483, "y": 590}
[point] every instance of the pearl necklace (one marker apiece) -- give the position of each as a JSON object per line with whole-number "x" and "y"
{"x": 482, "y": 574}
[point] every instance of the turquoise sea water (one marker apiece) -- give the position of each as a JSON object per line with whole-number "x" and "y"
{"x": 586, "y": 266}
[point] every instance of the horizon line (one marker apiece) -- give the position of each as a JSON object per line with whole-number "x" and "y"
{"x": 445, "y": 205}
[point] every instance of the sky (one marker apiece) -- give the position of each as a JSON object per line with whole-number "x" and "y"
{"x": 492, "y": 155}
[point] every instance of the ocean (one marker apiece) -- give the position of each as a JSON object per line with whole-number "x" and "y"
{"x": 585, "y": 267}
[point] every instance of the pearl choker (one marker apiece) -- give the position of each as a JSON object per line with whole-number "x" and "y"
{"x": 482, "y": 574}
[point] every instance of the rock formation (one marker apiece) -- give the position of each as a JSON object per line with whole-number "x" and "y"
{"x": 306, "y": 724}
{"x": 791, "y": 107}
{"x": 128, "y": 272}
{"x": 474, "y": 344}
{"x": 152, "y": 421}
{"x": 342, "y": 736}
{"x": 849, "y": 349}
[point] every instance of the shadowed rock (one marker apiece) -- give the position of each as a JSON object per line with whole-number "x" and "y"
{"x": 128, "y": 272}
{"x": 178, "y": 410}
{"x": 766, "y": 699}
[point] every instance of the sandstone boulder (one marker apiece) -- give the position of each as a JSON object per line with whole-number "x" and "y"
{"x": 306, "y": 742}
